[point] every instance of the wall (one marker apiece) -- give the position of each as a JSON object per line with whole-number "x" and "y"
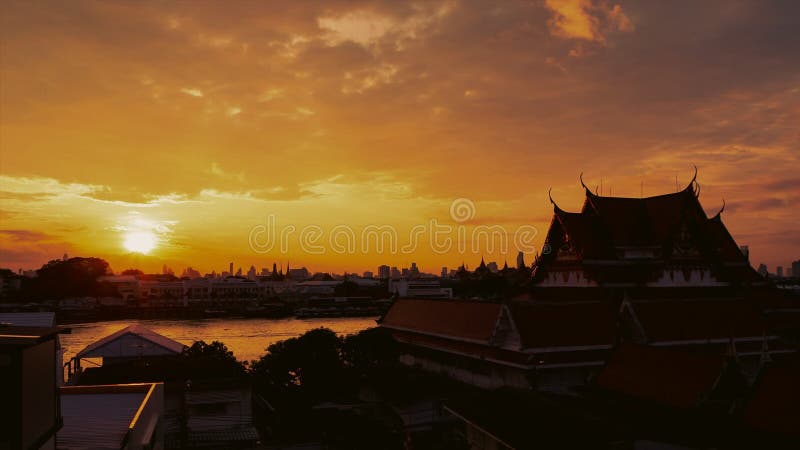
{"x": 39, "y": 397}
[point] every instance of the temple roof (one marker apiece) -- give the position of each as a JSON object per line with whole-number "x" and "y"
{"x": 664, "y": 376}
{"x": 455, "y": 319}
{"x": 564, "y": 325}
{"x": 641, "y": 221}
{"x": 773, "y": 405}
{"x": 692, "y": 320}
{"x": 606, "y": 226}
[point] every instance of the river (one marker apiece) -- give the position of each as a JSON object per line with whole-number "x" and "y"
{"x": 246, "y": 338}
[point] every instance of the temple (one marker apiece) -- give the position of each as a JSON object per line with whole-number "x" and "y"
{"x": 654, "y": 272}
{"x": 665, "y": 241}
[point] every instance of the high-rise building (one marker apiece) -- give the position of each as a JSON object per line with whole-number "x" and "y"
{"x": 368, "y": 274}
{"x": 395, "y": 274}
{"x": 384, "y": 272}
{"x": 779, "y": 271}
{"x": 230, "y": 268}
{"x": 796, "y": 268}
{"x": 444, "y": 272}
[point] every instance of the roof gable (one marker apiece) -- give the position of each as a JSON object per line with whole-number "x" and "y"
{"x": 110, "y": 345}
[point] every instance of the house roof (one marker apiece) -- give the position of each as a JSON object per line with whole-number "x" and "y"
{"x": 664, "y": 321}
{"x": 774, "y": 404}
{"x": 164, "y": 343}
{"x": 455, "y": 319}
{"x": 29, "y": 319}
{"x": 667, "y": 377}
{"x": 564, "y": 325}
{"x": 26, "y": 336}
{"x": 99, "y": 416}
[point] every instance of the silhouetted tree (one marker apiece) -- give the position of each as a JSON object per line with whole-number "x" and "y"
{"x": 75, "y": 277}
{"x": 135, "y": 272}
{"x": 212, "y": 360}
{"x": 368, "y": 350}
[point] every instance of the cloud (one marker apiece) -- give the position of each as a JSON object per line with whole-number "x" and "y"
{"x": 192, "y": 92}
{"x": 27, "y": 236}
{"x": 414, "y": 103}
{"x": 586, "y": 19}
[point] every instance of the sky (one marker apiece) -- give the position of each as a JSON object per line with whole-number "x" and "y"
{"x": 197, "y": 133}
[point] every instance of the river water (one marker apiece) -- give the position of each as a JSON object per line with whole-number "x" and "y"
{"x": 246, "y": 338}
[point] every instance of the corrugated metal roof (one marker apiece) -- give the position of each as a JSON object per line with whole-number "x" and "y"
{"x": 29, "y": 319}
{"x": 138, "y": 331}
{"x": 97, "y": 420}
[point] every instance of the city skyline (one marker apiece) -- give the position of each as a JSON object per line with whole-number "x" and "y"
{"x": 155, "y": 134}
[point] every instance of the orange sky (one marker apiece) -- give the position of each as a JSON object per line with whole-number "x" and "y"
{"x": 194, "y": 122}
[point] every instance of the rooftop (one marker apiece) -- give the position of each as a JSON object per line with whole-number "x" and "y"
{"x": 102, "y": 417}
{"x": 664, "y": 376}
{"x": 25, "y": 336}
{"x": 105, "y": 347}
{"x": 455, "y": 319}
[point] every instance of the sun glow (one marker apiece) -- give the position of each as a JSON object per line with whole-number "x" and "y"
{"x": 140, "y": 241}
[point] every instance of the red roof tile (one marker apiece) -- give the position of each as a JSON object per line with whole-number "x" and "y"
{"x": 564, "y": 325}
{"x": 479, "y": 351}
{"x": 698, "y": 319}
{"x": 642, "y": 221}
{"x": 457, "y": 319}
{"x": 774, "y": 404}
{"x": 664, "y": 376}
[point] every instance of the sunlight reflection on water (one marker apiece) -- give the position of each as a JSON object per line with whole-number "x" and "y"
{"x": 247, "y": 338}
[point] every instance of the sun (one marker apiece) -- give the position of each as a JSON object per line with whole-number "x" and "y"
{"x": 140, "y": 241}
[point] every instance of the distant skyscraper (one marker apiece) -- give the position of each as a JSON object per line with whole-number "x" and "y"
{"x": 779, "y": 271}
{"x": 444, "y": 272}
{"x": 230, "y": 268}
{"x": 796, "y": 268}
{"x": 520, "y": 260}
{"x": 368, "y": 274}
{"x": 395, "y": 273}
{"x": 384, "y": 272}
